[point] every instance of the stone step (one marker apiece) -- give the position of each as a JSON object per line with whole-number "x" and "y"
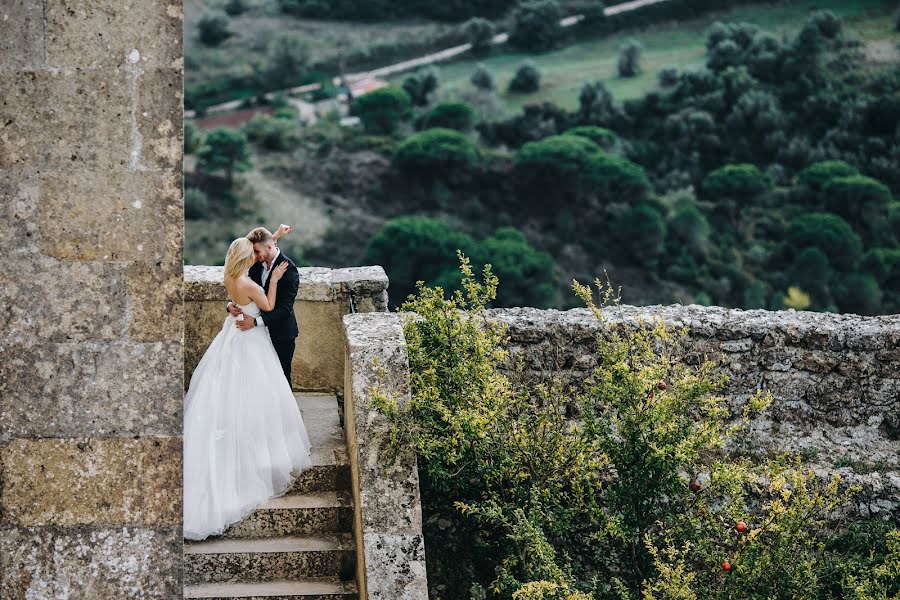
{"x": 322, "y": 478}
{"x": 319, "y": 588}
{"x": 322, "y": 422}
{"x": 269, "y": 559}
{"x": 297, "y": 514}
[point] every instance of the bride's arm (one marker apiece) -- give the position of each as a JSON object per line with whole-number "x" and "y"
{"x": 267, "y": 303}
{"x": 257, "y": 295}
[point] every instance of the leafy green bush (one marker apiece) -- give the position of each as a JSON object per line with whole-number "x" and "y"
{"x": 601, "y": 136}
{"x": 621, "y": 490}
{"x": 527, "y": 78}
{"x": 272, "y": 132}
{"x": 528, "y": 273}
{"x": 479, "y": 32}
{"x": 450, "y": 115}
{"x": 421, "y": 84}
{"x": 641, "y": 234}
{"x": 224, "y": 149}
{"x": 213, "y": 28}
{"x": 196, "y": 204}
{"x": 629, "y": 64}
{"x": 829, "y": 233}
{"x": 535, "y": 25}
{"x": 740, "y": 181}
{"x": 382, "y": 110}
{"x": 435, "y": 150}
{"x": 861, "y": 200}
{"x": 481, "y": 78}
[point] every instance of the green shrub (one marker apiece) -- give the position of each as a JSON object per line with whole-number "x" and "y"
{"x": 196, "y": 204}
{"x": 435, "y": 150}
{"x": 527, "y": 78}
{"x": 739, "y": 181}
{"x": 271, "y": 132}
{"x": 479, "y": 32}
{"x": 481, "y": 78}
{"x": 829, "y": 233}
{"x": 620, "y": 490}
{"x": 535, "y": 25}
{"x": 382, "y": 110}
{"x": 421, "y": 84}
{"x": 224, "y": 149}
{"x": 213, "y": 28}
{"x": 529, "y": 275}
{"x": 861, "y": 200}
{"x": 858, "y": 293}
{"x": 451, "y": 115}
{"x": 601, "y": 136}
{"x": 641, "y": 234}
{"x": 629, "y": 64}
{"x": 235, "y": 7}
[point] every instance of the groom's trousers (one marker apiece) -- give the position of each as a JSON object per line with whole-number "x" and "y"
{"x": 285, "y": 351}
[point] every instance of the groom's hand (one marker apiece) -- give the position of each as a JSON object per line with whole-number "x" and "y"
{"x": 246, "y": 324}
{"x": 234, "y": 309}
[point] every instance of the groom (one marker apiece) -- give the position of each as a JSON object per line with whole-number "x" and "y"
{"x": 281, "y": 321}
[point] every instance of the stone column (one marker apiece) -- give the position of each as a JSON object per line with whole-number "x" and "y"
{"x": 91, "y": 218}
{"x": 387, "y": 509}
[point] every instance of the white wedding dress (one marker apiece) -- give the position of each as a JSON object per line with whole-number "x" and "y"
{"x": 244, "y": 437}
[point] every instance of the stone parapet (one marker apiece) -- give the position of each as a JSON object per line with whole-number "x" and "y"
{"x": 388, "y": 514}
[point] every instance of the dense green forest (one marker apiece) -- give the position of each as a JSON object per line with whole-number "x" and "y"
{"x": 765, "y": 178}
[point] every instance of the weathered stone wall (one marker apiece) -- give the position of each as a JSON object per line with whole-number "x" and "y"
{"x": 91, "y": 216}
{"x": 835, "y": 379}
{"x": 323, "y": 297}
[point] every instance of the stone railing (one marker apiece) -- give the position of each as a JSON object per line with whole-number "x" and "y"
{"x": 835, "y": 379}
{"x": 323, "y": 297}
{"x": 388, "y": 514}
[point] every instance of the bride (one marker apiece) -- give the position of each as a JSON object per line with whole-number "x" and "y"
{"x": 244, "y": 437}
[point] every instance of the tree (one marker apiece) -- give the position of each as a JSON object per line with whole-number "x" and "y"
{"x": 382, "y": 110}
{"x": 480, "y": 33}
{"x": 412, "y": 248}
{"x": 452, "y": 115}
{"x": 528, "y": 274}
{"x": 481, "y": 78}
{"x": 213, "y": 28}
{"x": 225, "y": 149}
{"x": 739, "y": 181}
{"x": 421, "y": 84}
{"x": 858, "y": 293}
{"x": 527, "y": 78}
{"x": 436, "y": 150}
{"x": 829, "y": 233}
{"x": 196, "y": 203}
{"x": 273, "y": 133}
{"x": 535, "y": 25}
{"x": 641, "y": 233}
{"x": 811, "y": 271}
{"x": 193, "y": 138}
{"x": 288, "y": 57}
{"x": 861, "y": 200}
{"x": 601, "y": 136}
{"x": 811, "y": 180}
{"x": 629, "y": 63}
{"x": 235, "y": 7}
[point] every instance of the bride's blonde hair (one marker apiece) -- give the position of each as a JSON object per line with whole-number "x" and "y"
{"x": 239, "y": 258}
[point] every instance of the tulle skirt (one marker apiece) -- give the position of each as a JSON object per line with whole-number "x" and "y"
{"x": 244, "y": 437}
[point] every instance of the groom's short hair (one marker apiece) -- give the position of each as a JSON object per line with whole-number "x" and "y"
{"x": 260, "y": 235}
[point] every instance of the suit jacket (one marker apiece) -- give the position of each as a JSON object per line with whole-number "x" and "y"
{"x": 281, "y": 321}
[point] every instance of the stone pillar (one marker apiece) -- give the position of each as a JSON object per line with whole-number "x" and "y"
{"x": 387, "y": 509}
{"x": 91, "y": 218}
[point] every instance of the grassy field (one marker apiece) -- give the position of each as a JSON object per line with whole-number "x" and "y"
{"x": 263, "y": 20}
{"x": 682, "y": 46}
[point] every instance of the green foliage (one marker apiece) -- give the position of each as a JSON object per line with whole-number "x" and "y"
{"x": 573, "y": 167}
{"x": 288, "y": 58}
{"x": 451, "y": 115}
{"x": 224, "y": 149}
{"x": 858, "y": 293}
{"x": 641, "y": 233}
{"x": 481, "y": 78}
{"x": 273, "y": 133}
{"x": 213, "y": 28}
{"x": 479, "y": 32}
{"x": 436, "y": 149}
{"x": 412, "y": 247}
{"x": 629, "y": 64}
{"x": 829, "y": 233}
{"x": 740, "y": 181}
{"x": 861, "y": 200}
{"x": 601, "y": 136}
{"x": 382, "y": 110}
{"x": 421, "y": 84}
{"x": 196, "y": 204}
{"x": 528, "y": 274}
{"x": 814, "y": 177}
{"x": 535, "y": 25}
{"x": 193, "y": 138}
{"x": 812, "y": 272}
{"x": 527, "y": 78}
{"x": 235, "y": 7}
{"x": 632, "y": 495}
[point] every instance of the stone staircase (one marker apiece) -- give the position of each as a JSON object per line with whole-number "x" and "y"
{"x": 297, "y": 546}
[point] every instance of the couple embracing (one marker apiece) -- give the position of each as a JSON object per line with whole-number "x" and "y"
{"x": 244, "y": 437}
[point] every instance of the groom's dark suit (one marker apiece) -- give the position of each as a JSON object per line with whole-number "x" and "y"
{"x": 281, "y": 321}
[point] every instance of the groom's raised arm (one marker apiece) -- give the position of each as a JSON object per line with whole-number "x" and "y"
{"x": 284, "y": 299}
